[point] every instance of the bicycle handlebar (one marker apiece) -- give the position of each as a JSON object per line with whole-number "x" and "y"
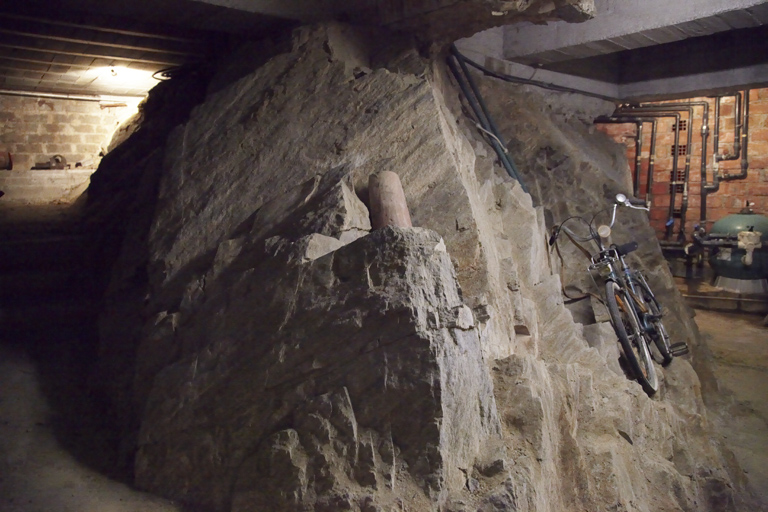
{"x": 631, "y": 202}
{"x": 621, "y": 199}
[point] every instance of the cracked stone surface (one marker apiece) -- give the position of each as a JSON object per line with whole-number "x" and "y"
{"x": 290, "y": 359}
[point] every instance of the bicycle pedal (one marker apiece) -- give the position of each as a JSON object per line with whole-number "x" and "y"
{"x": 679, "y": 349}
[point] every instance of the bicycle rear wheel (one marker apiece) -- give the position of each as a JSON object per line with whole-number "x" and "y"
{"x": 631, "y": 337}
{"x": 658, "y": 332}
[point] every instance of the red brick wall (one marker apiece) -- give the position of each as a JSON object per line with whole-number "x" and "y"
{"x": 732, "y": 194}
{"x": 35, "y": 129}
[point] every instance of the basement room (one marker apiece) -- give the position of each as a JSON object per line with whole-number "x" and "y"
{"x": 383, "y": 256}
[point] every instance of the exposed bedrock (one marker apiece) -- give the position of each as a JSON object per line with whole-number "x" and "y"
{"x": 289, "y": 358}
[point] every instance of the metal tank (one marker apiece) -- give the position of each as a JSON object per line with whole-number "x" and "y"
{"x": 739, "y": 251}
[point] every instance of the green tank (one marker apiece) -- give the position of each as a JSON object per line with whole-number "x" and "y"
{"x": 730, "y": 261}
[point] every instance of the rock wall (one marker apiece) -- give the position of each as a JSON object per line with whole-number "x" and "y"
{"x": 269, "y": 352}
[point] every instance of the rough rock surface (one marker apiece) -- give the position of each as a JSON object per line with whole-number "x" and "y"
{"x": 290, "y": 360}
{"x": 572, "y": 170}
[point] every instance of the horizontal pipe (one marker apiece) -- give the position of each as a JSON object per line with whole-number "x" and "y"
{"x": 63, "y": 96}
{"x": 536, "y": 83}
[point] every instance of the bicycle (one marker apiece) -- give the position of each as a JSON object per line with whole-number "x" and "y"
{"x": 636, "y": 314}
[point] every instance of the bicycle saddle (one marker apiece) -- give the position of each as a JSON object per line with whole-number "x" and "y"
{"x": 627, "y": 248}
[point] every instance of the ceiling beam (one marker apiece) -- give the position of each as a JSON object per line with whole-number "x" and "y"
{"x": 115, "y": 58}
{"x": 97, "y": 28}
{"x": 91, "y": 42}
{"x": 629, "y": 24}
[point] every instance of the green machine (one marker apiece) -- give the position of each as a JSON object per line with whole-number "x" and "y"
{"x": 739, "y": 251}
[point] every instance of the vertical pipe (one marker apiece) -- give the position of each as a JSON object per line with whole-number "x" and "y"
{"x": 686, "y": 177}
{"x": 745, "y": 136}
{"x": 673, "y": 189}
{"x": 651, "y": 163}
{"x": 737, "y": 122}
{"x": 648, "y": 118}
{"x": 715, "y": 185}
{"x": 744, "y": 142}
{"x": 686, "y": 171}
{"x": 638, "y": 158}
{"x": 704, "y": 137}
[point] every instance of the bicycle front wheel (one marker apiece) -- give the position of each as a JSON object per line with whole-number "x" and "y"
{"x": 631, "y": 337}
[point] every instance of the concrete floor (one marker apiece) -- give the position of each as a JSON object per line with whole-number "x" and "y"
{"x": 58, "y": 451}
{"x": 739, "y": 344}
{"x": 43, "y": 464}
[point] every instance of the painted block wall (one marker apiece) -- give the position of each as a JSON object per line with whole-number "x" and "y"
{"x": 36, "y": 129}
{"x": 732, "y": 195}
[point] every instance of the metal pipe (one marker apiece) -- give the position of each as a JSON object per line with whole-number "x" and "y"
{"x": 704, "y": 136}
{"x": 638, "y": 158}
{"x": 687, "y": 168}
{"x": 535, "y": 83}
{"x": 711, "y": 188}
{"x": 673, "y": 191}
{"x": 713, "y": 240}
{"x": 482, "y": 114}
{"x": 651, "y": 158}
{"x": 63, "y": 96}
{"x": 651, "y": 164}
{"x": 491, "y": 123}
{"x": 744, "y": 149}
{"x": 481, "y": 119}
{"x": 737, "y": 122}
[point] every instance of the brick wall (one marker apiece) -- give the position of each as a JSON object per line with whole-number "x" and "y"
{"x": 732, "y": 194}
{"x": 35, "y": 129}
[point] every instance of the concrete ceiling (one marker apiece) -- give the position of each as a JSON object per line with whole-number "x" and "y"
{"x": 630, "y": 49}
{"x": 87, "y": 48}
{"x": 638, "y": 49}
{"x": 119, "y": 48}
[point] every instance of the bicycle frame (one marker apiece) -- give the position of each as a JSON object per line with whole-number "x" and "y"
{"x": 611, "y": 266}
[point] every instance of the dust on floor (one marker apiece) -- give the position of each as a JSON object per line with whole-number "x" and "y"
{"x": 739, "y": 344}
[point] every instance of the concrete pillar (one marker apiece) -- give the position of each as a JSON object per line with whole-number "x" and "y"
{"x": 388, "y": 206}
